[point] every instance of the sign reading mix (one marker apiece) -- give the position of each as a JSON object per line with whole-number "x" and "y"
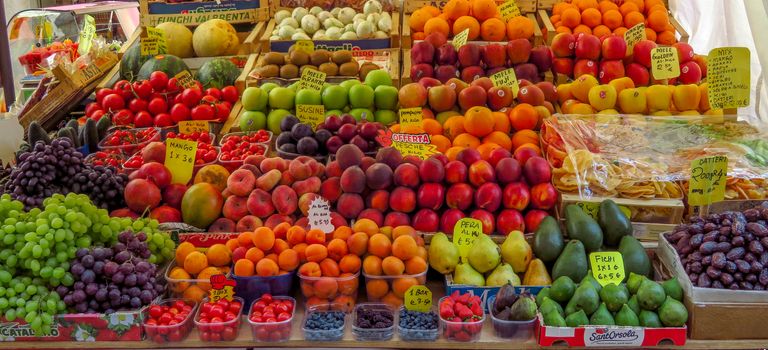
{"x": 728, "y": 77}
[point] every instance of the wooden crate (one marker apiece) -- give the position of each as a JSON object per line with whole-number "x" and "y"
{"x": 548, "y": 29}
{"x": 196, "y": 12}
{"x": 649, "y": 211}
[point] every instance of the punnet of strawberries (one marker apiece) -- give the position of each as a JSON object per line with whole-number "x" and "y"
{"x": 462, "y": 315}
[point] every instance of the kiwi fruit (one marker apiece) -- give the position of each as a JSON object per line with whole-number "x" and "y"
{"x": 342, "y": 56}
{"x": 349, "y": 69}
{"x": 289, "y": 71}
{"x": 319, "y": 57}
{"x": 367, "y": 67}
{"x": 298, "y": 57}
{"x": 274, "y": 58}
{"x": 268, "y": 71}
{"x": 306, "y": 66}
{"x": 329, "y": 68}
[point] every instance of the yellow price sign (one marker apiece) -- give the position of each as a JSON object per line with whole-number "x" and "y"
{"x": 633, "y": 36}
{"x": 180, "y": 159}
{"x": 460, "y": 39}
{"x": 152, "y": 41}
{"x": 85, "y": 40}
{"x": 221, "y": 288}
{"x": 509, "y": 10}
{"x": 707, "y": 183}
{"x": 607, "y": 267}
{"x": 311, "y": 79}
{"x": 728, "y": 77}
{"x": 506, "y": 78}
{"x": 307, "y": 46}
{"x": 665, "y": 63}
{"x": 418, "y": 298}
{"x": 417, "y": 145}
{"x": 465, "y": 232}
{"x": 190, "y": 126}
{"x": 410, "y": 116}
{"x": 593, "y": 208}
{"x": 311, "y": 114}
{"x": 184, "y": 79}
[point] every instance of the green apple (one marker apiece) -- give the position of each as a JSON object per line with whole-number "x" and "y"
{"x": 334, "y": 97}
{"x": 267, "y": 87}
{"x": 254, "y": 99}
{"x": 308, "y": 97}
{"x": 361, "y": 96}
{"x": 362, "y": 113}
{"x": 385, "y": 116}
{"x": 378, "y": 77}
{"x": 385, "y": 97}
{"x": 348, "y": 84}
{"x": 274, "y": 118}
{"x": 336, "y": 112}
{"x": 443, "y": 116}
{"x": 282, "y": 98}
{"x": 294, "y": 86}
{"x": 252, "y": 121}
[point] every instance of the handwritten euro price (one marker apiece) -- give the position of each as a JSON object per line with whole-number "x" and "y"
{"x": 633, "y": 36}
{"x": 665, "y": 63}
{"x": 418, "y": 298}
{"x": 707, "y": 183}
{"x": 728, "y": 77}
{"x": 509, "y": 10}
{"x": 607, "y": 267}
{"x": 465, "y": 232}
{"x": 460, "y": 39}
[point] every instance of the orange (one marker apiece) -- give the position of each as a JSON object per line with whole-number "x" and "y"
{"x": 570, "y": 18}
{"x": 657, "y": 7}
{"x": 431, "y": 10}
{"x": 554, "y": 19}
{"x": 484, "y": 9}
{"x": 418, "y": 19}
{"x": 456, "y": 9}
{"x": 479, "y": 121}
{"x": 620, "y": 31}
{"x": 177, "y": 273}
{"x": 493, "y": 29}
{"x": 316, "y": 252}
{"x": 404, "y": 247}
{"x": 182, "y": 251}
{"x": 350, "y": 263}
{"x": 650, "y": 34}
{"x": 330, "y": 268}
{"x": 666, "y": 38}
{"x": 379, "y": 245}
{"x": 288, "y": 260}
{"x": 232, "y": 244}
{"x": 453, "y": 126}
{"x": 432, "y": 126}
{"x": 366, "y": 225}
{"x": 639, "y": 3}
{"x": 401, "y": 285}
{"x": 562, "y": 29}
{"x": 633, "y": 18}
{"x": 392, "y": 266}
{"x": 500, "y": 138}
{"x": 372, "y": 265}
{"x": 218, "y": 255}
{"x": 613, "y": 19}
{"x": 524, "y": 116}
{"x": 466, "y": 140}
{"x": 415, "y": 36}
{"x": 195, "y": 262}
{"x": 452, "y": 152}
{"x": 585, "y": 4}
{"x": 628, "y": 7}
{"x": 254, "y": 254}
{"x": 376, "y": 288}
{"x": 415, "y": 265}
{"x": 244, "y": 267}
{"x": 501, "y": 122}
{"x": 266, "y": 268}
{"x": 194, "y": 293}
{"x": 658, "y": 20}
{"x": 591, "y": 17}
{"x": 441, "y": 142}
{"x": 601, "y": 30}
{"x": 263, "y": 238}
{"x": 486, "y": 148}
{"x": 295, "y": 235}
{"x": 607, "y": 5}
{"x": 519, "y": 27}
{"x": 436, "y": 25}
{"x": 358, "y": 243}
{"x": 582, "y": 28}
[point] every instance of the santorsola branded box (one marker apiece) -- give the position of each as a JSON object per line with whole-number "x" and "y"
{"x": 610, "y": 336}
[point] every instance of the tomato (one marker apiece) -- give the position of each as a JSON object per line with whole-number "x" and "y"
{"x": 202, "y": 112}
{"x": 123, "y": 88}
{"x": 176, "y": 335}
{"x": 103, "y": 93}
{"x": 143, "y": 120}
{"x": 178, "y": 99}
{"x": 113, "y": 102}
{"x": 122, "y": 117}
{"x": 179, "y": 112}
{"x": 283, "y": 316}
{"x": 230, "y": 94}
{"x": 158, "y": 80}
{"x": 172, "y": 85}
{"x": 209, "y": 99}
{"x": 137, "y": 105}
{"x": 157, "y": 105}
{"x": 155, "y": 311}
{"x": 143, "y": 89}
{"x": 96, "y": 115}
{"x": 222, "y": 112}
{"x": 216, "y": 93}
{"x": 229, "y": 333}
{"x": 163, "y": 120}
{"x": 191, "y": 97}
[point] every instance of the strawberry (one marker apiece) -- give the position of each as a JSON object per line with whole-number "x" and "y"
{"x": 454, "y": 296}
{"x": 477, "y": 308}
{"x": 446, "y": 311}
{"x": 463, "y": 312}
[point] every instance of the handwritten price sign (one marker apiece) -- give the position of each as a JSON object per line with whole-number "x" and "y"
{"x": 189, "y": 126}
{"x": 506, "y": 78}
{"x": 460, "y": 39}
{"x": 509, "y": 10}
{"x": 184, "y": 79}
{"x": 607, "y": 267}
{"x": 312, "y": 79}
{"x": 664, "y": 63}
{"x": 221, "y": 288}
{"x": 152, "y": 41}
{"x": 311, "y": 114}
{"x": 465, "y": 232}
{"x": 418, "y": 298}
{"x": 319, "y": 215}
{"x": 180, "y": 159}
{"x": 707, "y": 183}
{"x": 728, "y": 77}
{"x": 633, "y": 36}
{"x": 307, "y": 46}
{"x": 86, "y": 35}
{"x": 410, "y": 116}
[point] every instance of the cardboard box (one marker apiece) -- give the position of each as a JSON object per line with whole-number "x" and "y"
{"x": 611, "y": 336}
{"x": 118, "y": 326}
{"x": 154, "y": 12}
{"x": 726, "y": 321}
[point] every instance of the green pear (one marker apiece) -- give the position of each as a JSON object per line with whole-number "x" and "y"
{"x": 465, "y": 274}
{"x": 544, "y": 292}
{"x": 602, "y": 317}
{"x": 502, "y": 275}
{"x": 650, "y": 295}
{"x": 634, "y": 281}
{"x": 443, "y": 254}
{"x": 484, "y": 254}
{"x": 626, "y": 317}
{"x": 673, "y": 313}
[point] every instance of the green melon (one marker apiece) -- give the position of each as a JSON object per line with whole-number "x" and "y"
{"x": 169, "y": 64}
{"x": 131, "y": 62}
{"x": 218, "y": 73}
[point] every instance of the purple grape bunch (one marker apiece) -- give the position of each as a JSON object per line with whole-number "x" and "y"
{"x": 113, "y": 279}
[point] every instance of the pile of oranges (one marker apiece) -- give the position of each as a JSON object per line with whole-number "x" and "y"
{"x": 194, "y": 267}
{"x": 606, "y": 17}
{"x": 481, "y": 17}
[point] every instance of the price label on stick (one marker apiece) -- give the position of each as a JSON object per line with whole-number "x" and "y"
{"x": 664, "y": 63}
{"x": 707, "y": 183}
{"x": 180, "y": 159}
{"x": 506, "y": 78}
{"x": 184, "y": 79}
{"x": 307, "y": 46}
{"x": 607, "y": 267}
{"x": 221, "y": 288}
{"x": 312, "y": 79}
{"x": 319, "y": 215}
{"x": 311, "y": 114}
{"x": 410, "y": 116}
{"x": 85, "y": 40}
{"x": 465, "y": 232}
{"x": 460, "y": 39}
{"x": 728, "y": 77}
{"x": 633, "y": 36}
{"x": 509, "y": 10}
{"x": 152, "y": 41}
{"x": 418, "y": 298}
{"x": 190, "y": 126}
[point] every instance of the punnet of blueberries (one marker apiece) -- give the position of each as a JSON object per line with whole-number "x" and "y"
{"x": 417, "y": 320}
{"x": 325, "y": 320}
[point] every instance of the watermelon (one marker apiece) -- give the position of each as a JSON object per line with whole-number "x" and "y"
{"x": 218, "y": 73}
{"x": 169, "y": 64}
{"x": 131, "y": 62}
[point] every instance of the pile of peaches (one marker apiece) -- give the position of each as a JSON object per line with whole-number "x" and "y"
{"x": 481, "y": 17}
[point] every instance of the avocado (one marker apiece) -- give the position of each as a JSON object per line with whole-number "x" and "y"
{"x": 635, "y": 258}
{"x": 583, "y": 227}
{"x": 548, "y": 240}
{"x": 572, "y": 262}
{"x": 613, "y": 222}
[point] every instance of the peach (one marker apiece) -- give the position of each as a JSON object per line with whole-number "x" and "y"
{"x": 367, "y": 162}
{"x": 248, "y": 223}
{"x": 468, "y": 74}
{"x": 518, "y": 50}
{"x": 533, "y": 218}
{"x": 395, "y": 219}
{"x": 254, "y": 160}
{"x": 522, "y": 154}
{"x": 602, "y": 97}
{"x": 468, "y": 156}
{"x": 305, "y": 200}
{"x": 507, "y": 170}
{"x": 426, "y": 220}
{"x": 429, "y": 82}
{"x": 239, "y": 252}
{"x": 611, "y": 69}
{"x": 222, "y": 225}
{"x": 632, "y": 101}
{"x": 269, "y": 180}
{"x": 486, "y": 218}
{"x": 259, "y": 203}
{"x": 455, "y": 172}
{"x": 472, "y": 96}
{"x": 639, "y": 74}
{"x": 349, "y": 155}
{"x": 658, "y": 98}
{"x": 285, "y": 200}
{"x": 585, "y": 67}
{"x": 373, "y": 215}
{"x": 441, "y": 157}
{"x": 273, "y": 163}
{"x": 449, "y": 218}
{"x": 301, "y": 167}
{"x": 333, "y": 169}
{"x": 277, "y": 219}
{"x": 353, "y": 180}
{"x": 310, "y": 185}
{"x": 621, "y": 84}
{"x": 684, "y": 52}
{"x": 430, "y": 195}
{"x": 389, "y": 156}
{"x": 516, "y": 195}
{"x": 412, "y": 95}
{"x": 441, "y": 98}
{"x": 531, "y": 95}
{"x": 563, "y": 45}
{"x": 252, "y": 168}
{"x": 402, "y": 199}
{"x": 543, "y": 196}
{"x": 235, "y": 207}
{"x": 337, "y": 220}
{"x": 407, "y": 175}
{"x": 431, "y": 170}
{"x": 459, "y": 196}
{"x": 330, "y": 189}
{"x": 686, "y": 97}
{"x": 500, "y": 97}
{"x": 509, "y": 220}
{"x": 614, "y": 47}
{"x": 488, "y": 196}
{"x": 497, "y": 155}
{"x": 494, "y": 55}
{"x": 641, "y": 52}
{"x": 690, "y": 73}
{"x": 378, "y": 176}
{"x": 481, "y": 172}
{"x": 241, "y": 182}
{"x": 286, "y": 179}
{"x": 549, "y": 90}
{"x": 587, "y": 46}
{"x": 563, "y": 66}
{"x": 349, "y": 205}
{"x": 537, "y": 170}
{"x": 469, "y": 55}
{"x": 378, "y": 200}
